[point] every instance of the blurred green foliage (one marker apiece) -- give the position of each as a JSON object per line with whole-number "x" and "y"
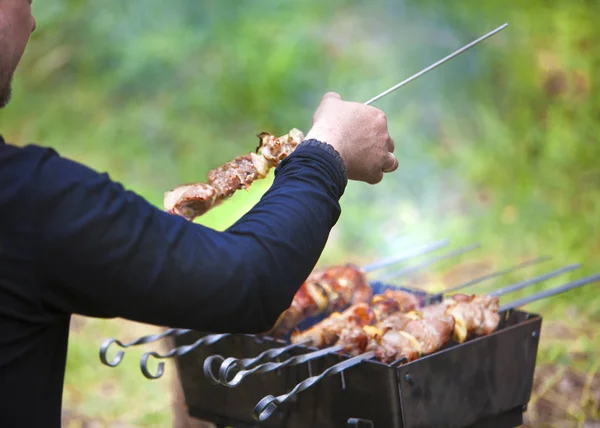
{"x": 498, "y": 146}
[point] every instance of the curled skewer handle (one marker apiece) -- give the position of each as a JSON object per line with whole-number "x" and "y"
{"x": 182, "y": 350}
{"x": 104, "y": 350}
{"x": 209, "y": 368}
{"x": 231, "y": 365}
{"x": 144, "y": 365}
{"x": 269, "y": 367}
{"x": 268, "y": 405}
{"x": 141, "y": 341}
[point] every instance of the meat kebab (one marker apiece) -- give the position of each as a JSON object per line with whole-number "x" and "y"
{"x": 193, "y": 200}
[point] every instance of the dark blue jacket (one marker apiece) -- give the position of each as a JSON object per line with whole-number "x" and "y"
{"x": 74, "y": 242}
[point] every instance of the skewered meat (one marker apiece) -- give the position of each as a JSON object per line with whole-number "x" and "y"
{"x": 193, "y": 200}
{"x": 327, "y": 332}
{"x": 323, "y": 292}
{"x": 382, "y": 306}
{"x": 398, "y": 336}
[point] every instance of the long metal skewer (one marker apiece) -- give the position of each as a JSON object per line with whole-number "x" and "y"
{"x": 551, "y": 292}
{"x": 430, "y": 261}
{"x": 405, "y": 256}
{"x": 226, "y": 371}
{"x": 141, "y": 341}
{"x": 440, "y": 62}
{"x": 514, "y": 287}
{"x": 182, "y": 350}
{"x": 231, "y": 363}
{"x": 493, "y": 275}
{"x": 265, "y": 407}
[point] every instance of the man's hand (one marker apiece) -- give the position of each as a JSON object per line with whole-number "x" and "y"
{"x": 359, "y": 133}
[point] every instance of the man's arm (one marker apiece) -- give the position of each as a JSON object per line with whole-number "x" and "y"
{"x": 106, "y": 252}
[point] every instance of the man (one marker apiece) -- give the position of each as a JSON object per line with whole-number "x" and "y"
{"x": 73, "y": 241}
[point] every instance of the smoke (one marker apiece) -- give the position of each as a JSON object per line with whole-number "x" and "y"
{"x": 424, "y": 200}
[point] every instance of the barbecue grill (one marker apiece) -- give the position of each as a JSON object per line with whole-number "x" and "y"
{"x": 250, "y": 381}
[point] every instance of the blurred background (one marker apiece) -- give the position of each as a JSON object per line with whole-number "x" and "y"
{"x": 499, "y": 146}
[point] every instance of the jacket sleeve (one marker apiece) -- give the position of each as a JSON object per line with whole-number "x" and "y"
{"x": 106, "y": 252}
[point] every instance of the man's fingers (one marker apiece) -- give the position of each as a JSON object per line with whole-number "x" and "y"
{"x": 391, "y": 163}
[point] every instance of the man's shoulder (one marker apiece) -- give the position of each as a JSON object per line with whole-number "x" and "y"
{"x": 30, "y": 152}
{"x": 39, "y": 174}
{"x": 34, "y": 161}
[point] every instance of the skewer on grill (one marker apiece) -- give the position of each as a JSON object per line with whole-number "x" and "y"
{"x": 240, "y": 364}
{"x": 362, "y": 313}
{"x": 271, "y": 366}
{"x": 414, "y": 252}
{"x": 492, "y": 275}
{"x": 387, "y": 302}
{"x": 334, "y": 330}
{"x": 269, "y": 404}
{"x": 426, "y": 263}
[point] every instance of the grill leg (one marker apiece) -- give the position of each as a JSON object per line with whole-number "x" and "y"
{"x": 360, "y": 423}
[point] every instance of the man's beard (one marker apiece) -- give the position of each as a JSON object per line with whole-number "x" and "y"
{"x": 6, "y": 77}
{"x": 5, "y": 93}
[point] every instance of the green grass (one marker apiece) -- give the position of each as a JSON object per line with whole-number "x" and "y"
{"x": 499, "y": 146}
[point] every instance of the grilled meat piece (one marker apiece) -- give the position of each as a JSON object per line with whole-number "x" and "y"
{"x": 395, "y": 300}
{"x": 189, "y": 200}
{"x": 476, "y": 317}
{"x": 473, "y": 315}
{"x": 394, "y": 345}
{"x": 355, "y": 338}
{"x": 431, "y": 333}
{"x": 397, "y": 321}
